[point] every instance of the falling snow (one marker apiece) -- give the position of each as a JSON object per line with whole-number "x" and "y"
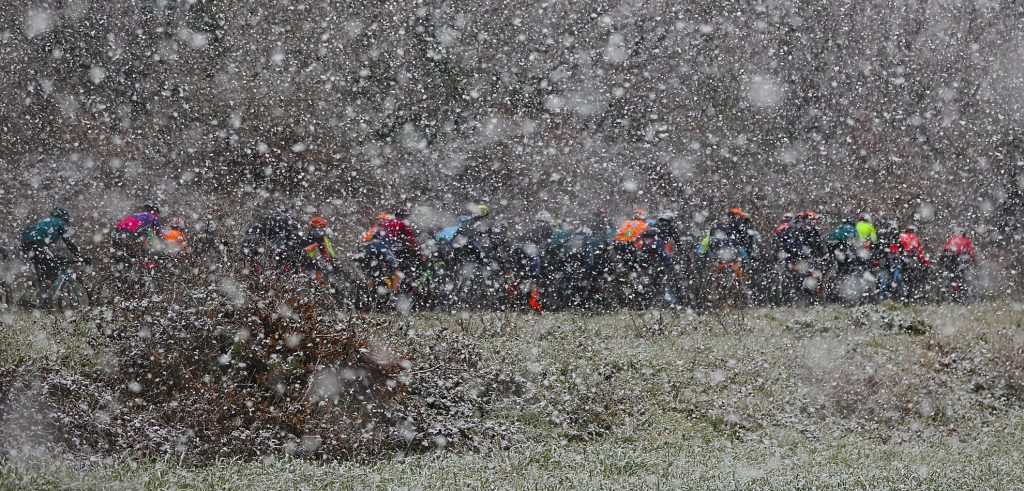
{"x": 771, "y": 245}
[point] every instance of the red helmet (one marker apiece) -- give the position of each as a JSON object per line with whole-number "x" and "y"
{"x": 318, "y": 222}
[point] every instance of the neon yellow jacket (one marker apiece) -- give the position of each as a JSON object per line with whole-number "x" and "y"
{"x": 705, "y": 243}
{"x": 867, "y": 232}
{"x": 323, "y": 248}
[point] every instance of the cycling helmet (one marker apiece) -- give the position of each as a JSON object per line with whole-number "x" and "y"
{"x": 812, "y": 215}
{"x": 639, "y": 214}
{"x": 402, "y": 211}
{"x": 737, "y": 212}
{"x": 911, "y": 229}
{"x": 383, "y": 217}
{"x": 61, "y": 213}
{"x": 318, "y": 222}
{"x": 864, "y": 217}
{"x": 544, "y": 217}
{"x": 667, "y": 215}
{"x": 151, "y": 207}
{"x": 481, "y": 210}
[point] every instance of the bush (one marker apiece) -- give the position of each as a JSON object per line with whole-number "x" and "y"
{"x": 245, "y": 366}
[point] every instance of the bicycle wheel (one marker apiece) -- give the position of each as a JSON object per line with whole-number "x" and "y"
{"x": 69, "y": 295}
{"x": 725, "y": 288}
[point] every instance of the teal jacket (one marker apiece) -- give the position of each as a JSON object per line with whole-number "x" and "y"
{"x": 559, "y": 236}
{"x": 845, "y": 233}
{"x": 49, "y": 230}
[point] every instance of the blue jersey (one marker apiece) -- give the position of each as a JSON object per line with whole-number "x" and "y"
{"x": 50, "y": 229}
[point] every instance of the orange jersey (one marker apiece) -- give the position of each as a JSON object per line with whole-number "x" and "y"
{"x": 631, "y": 230}
{"x": 370, "y": 232}
{"x": 175, "y": 241}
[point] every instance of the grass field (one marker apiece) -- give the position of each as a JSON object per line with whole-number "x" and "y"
{"x": 880, "y": 397}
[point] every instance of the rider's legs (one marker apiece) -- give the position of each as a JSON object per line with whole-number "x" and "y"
{"x": 47, "y": 266}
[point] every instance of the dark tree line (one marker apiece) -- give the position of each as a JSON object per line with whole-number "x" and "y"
{"x": 772, "y": 105}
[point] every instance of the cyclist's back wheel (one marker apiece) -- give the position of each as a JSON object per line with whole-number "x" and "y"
{"x": 70, "y": 295}
{"x": 725, "y": 289}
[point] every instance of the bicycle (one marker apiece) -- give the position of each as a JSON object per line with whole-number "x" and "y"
{"x": 66, "y": 293}
{"x": 726, "y": 286}
{"x": 69, "y": 292}
{"x": 956, "y": 272}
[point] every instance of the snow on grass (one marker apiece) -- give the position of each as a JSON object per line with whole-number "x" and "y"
{"x": 873, "y": 397}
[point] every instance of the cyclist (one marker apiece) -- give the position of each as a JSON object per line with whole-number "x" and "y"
{"x": 911, "y": 245}
{"x": 531, "y": 250}
{"x": 395, "y": 239}
{"x": 371, "y": 232}
{"x": 866, "y": 230}
{"x": 375, "y": 245}
{"x": 916, "y": 262}
{"x": 632, "y": 229}
{"x": 847, "y": 248}
{"x": 810, "y": 233}
{"x": 785, "y": 224}
{"x": 627, "y": 241}
{"x": 280, "y": 233}
{"x": 401, "y": 238}
{"x": 174, "y": 239}
{"x": 668, "y": 231}
{"x": 37, "y": 244}
{"x": 319, "y": 249}
{"x": 958, "y": 256}
{"x": 888, "y": 255}
{"x": 137, "y": 234}
{"x": 730, "y": 239}
{"x": 479, "y": 213}
{"x": 958, "y": 245}
{"x": 473, "y": 241}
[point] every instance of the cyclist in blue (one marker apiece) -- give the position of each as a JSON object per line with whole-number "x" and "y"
{"x": 38, "y": 242}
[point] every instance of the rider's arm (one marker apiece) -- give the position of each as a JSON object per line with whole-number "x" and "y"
{"x": 410, "y": 236}
{"x": 72, "y": 247}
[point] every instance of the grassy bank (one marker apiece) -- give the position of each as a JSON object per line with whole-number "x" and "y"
{"x": 877, "y": 397}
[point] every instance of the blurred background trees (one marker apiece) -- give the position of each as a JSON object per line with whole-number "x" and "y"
{"x": 911, "y": 108}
